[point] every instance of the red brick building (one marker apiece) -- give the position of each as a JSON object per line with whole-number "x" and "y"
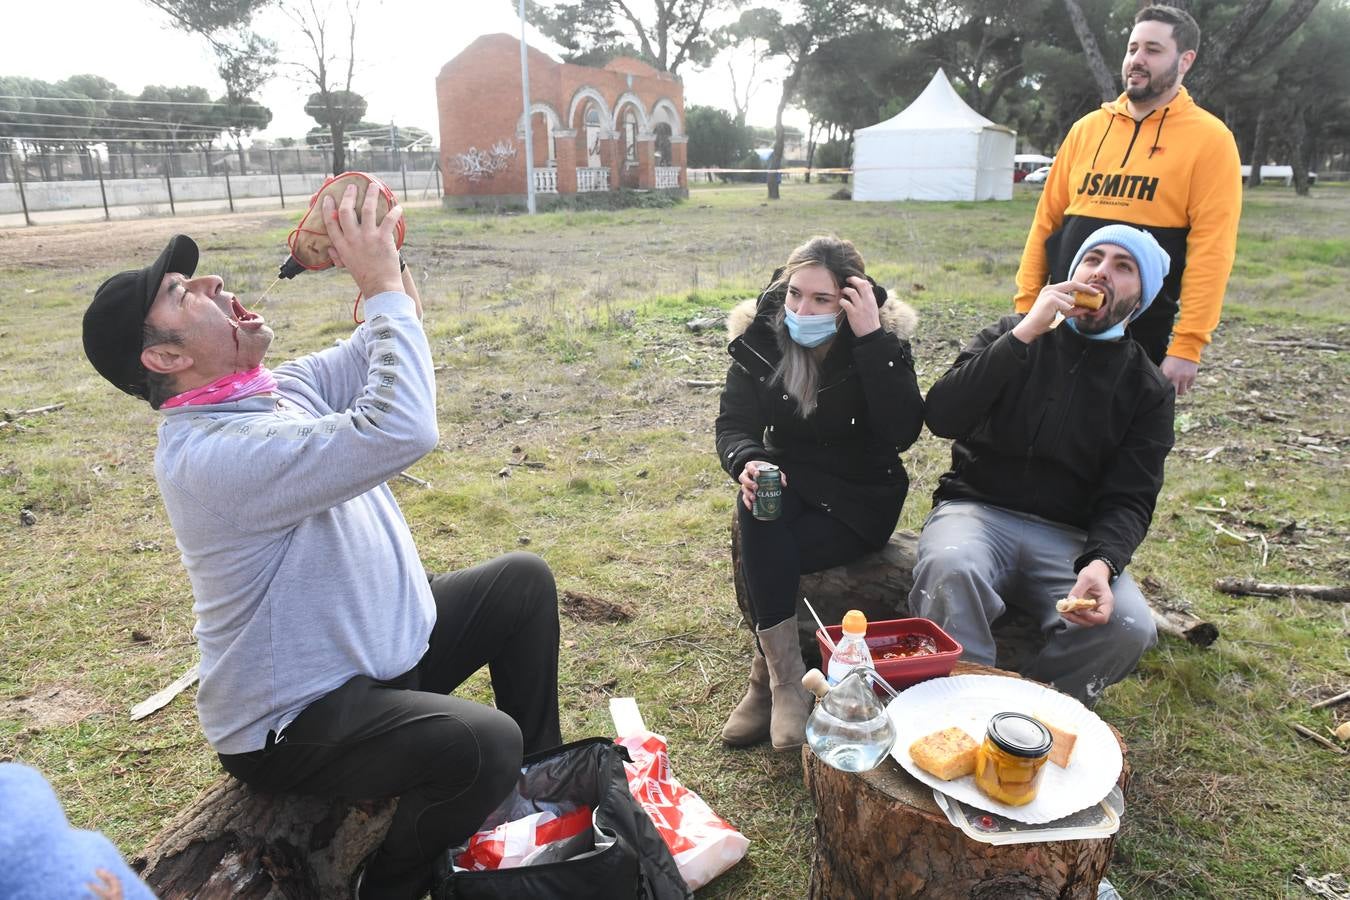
{"x": 620, "y": 127}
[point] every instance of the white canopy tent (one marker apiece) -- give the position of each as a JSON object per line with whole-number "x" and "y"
{"x": 937, "y": 148}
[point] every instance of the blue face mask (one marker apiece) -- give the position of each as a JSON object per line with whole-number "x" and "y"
{"x": 1115, "y": 331}
{"x": 810, "y": 331}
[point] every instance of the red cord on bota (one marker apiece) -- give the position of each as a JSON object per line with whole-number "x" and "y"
{"x": 309, "y": 244}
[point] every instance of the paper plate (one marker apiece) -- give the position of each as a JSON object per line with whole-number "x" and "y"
{"x": 967, "y": 702}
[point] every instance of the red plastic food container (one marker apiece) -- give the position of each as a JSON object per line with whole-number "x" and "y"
{"x": 901, "y": 673}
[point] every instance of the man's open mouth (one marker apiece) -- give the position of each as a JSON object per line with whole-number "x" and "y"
{"x": 243, "y": 318}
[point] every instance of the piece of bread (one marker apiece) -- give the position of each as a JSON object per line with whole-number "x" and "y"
{"x": 1074, "y": 604}
{"x": 1062, "y": 748}
{"x": 948, "y": 754}
{"x": 1088, "y": 299}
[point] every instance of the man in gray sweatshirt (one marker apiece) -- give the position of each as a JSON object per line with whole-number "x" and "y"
{"x": 327, "y": 654}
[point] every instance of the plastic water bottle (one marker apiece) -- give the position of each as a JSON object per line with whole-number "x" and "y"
{"x": 849, "y": 729}
{"x": 852, "y": 648}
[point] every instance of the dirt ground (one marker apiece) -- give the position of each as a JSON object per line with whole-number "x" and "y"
{"x": 101, "y": 245}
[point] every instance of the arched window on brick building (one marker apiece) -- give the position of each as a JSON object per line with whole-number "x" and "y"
{"x": 593, "y": 129}
{"x": 630, "y": 135}
{"x": 663, "y": 152}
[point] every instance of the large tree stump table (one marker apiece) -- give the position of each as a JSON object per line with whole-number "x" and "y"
{"x": 879, "y": 834}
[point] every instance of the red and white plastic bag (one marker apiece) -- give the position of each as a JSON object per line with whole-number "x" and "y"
{"x": 538, "y": 837}
{"x": 703, "y": 844}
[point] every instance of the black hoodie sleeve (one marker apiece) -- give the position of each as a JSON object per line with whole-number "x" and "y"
{"x": 886, "y": 369}
{"x": 740, "y": 423}
{"x": 961, "y": 399}
{"x": 1123, "y": 502}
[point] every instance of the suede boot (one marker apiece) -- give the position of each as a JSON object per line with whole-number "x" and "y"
{"x": 749, "y": 721}
{"x": 791, "y": 701}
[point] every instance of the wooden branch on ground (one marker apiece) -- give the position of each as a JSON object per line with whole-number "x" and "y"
{"x": 1311, "y": 345}
{"x": 35, "y": 411}
{"x": 1332, "y": 701}
{"x": 414, "y": 479}
{"x": 160, "y": 699}
{"x": 1314, "y": 736}
{"x": 1171, "y": 619}
{"x": 1253, "y": 588}
{"x": 691, "y": 382}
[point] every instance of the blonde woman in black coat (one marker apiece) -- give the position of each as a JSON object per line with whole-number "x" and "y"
{"x": 821, "y": 385}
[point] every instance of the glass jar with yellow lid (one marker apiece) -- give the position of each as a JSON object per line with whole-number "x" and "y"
{"x": 1008, "y": 763}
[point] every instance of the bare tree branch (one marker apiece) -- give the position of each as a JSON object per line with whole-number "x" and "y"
{"x": 1106, "y": 85}
{"x": 637, "y": 27}
{"x": 1253, "y": 44}
{"x": 694, "y": 33}
{"x": 1236, "y": 31}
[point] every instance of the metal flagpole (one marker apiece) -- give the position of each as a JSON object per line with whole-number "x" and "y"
{"x": 525, "y": 93}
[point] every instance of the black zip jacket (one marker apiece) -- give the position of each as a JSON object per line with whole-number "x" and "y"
{"x": 1066, "y": 428}
{"x": 844, "y": 458}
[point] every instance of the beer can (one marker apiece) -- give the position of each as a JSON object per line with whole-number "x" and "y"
{"x": 768, "y": 493}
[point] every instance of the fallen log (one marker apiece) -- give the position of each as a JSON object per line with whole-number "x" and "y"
{"x": 235, "y": 842}
{"x": 1171, "y": 618}
{"x": 879, "y": 834}
{"x": 1252, "y": 588}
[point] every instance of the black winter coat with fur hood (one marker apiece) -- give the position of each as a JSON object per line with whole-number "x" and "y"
{"x": 845, "y": 457}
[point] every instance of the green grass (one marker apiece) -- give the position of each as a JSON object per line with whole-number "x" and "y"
{"x": 561, "y": 340}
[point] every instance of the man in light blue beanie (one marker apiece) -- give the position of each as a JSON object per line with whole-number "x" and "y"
{"x": 42, "y": 857}
{"x": 1059, "y": 437}
{"x": 1150, "y": 261}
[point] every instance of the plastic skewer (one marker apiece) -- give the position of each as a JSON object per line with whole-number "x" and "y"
{"x": 826, "y": 634}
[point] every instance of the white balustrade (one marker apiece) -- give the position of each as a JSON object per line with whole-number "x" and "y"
{"x": 592, "y": 178}
{"x": 546, "y": 181}
{"x": 667, "y": 177}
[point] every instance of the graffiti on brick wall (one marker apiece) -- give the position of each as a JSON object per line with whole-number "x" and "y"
{"x": 479, "y": 165}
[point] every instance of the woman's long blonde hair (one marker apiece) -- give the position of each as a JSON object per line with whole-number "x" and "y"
{"x": 799, "y": 368}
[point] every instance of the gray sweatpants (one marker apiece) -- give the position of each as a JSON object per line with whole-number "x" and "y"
{"x": 976, "y": 560}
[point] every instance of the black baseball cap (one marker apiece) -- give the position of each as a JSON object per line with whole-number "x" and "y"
{"x": 113, "y": 322}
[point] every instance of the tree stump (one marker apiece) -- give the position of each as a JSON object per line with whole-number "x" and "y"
{"x": 878, "y": 584}
{"x": 235, "y": 842}
{"x": 879, "y": 834}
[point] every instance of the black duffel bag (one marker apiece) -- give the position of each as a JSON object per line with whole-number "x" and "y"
{"x": 632, "y": 860}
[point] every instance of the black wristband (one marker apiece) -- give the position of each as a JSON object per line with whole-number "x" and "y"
{"x": 1115, "y": 573}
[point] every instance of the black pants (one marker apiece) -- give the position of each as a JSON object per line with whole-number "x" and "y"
{"x": 774, "y": 555}
{"x": 449, "y": 761}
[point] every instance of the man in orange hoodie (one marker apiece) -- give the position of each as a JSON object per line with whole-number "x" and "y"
{"x": 1153, "y": 159}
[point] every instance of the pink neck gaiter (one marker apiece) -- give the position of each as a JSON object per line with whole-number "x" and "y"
{"x": 235, "y": 386}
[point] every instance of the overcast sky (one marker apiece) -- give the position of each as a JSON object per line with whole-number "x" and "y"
{"x": 401, "y": 46}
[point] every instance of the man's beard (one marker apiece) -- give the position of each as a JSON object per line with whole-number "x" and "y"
{"x": 1118, "y": 312}
{"x": 1157, "y": 85}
